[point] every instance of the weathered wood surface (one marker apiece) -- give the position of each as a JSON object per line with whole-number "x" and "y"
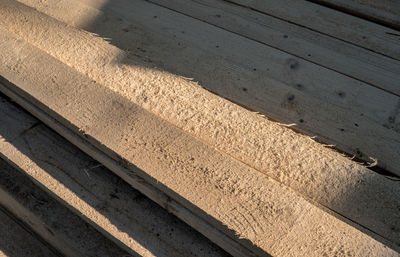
{"x": 358, "y": 119}
{"x": 353, "y": 61}
{"x": 94, "y": 193}
{"x": 386, "y": 12}
{"x": 217, "y": 187}
{"x": 331, "y": 22}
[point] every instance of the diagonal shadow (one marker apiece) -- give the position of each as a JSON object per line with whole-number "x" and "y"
{"x": 381, "y": 219}
{"x": 126, "y": 35}
{"x": 151, "y": 226}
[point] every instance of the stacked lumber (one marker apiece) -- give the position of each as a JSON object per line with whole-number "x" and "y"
{"x": 163, "y": 94}
{"x": 338, "y": 101}
{"x": 75, "y": 204}
{"x": 16, "y": 241}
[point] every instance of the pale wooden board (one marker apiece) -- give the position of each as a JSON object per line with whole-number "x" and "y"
{"x": 353, "y": 61}
{"x": 358, "y": 119}
{"x": 137, "y": 182}
{"x": 315, "y": 177}
{"x": 331, "y": 22}
{"x": 59, "y": 227}
{"x": 386, "y": 12}
{"x": 271, "y": 218}
{"x": 310, "y": 180}
{"x": 153, "y": 193}
{"x": 97, "y": 195}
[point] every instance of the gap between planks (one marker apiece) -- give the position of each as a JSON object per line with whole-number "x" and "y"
{"x": 299, "y": 100}
{"x": 337, "y": 178}
{"x": 345, "y": 58}
{"x": 384, "y": 12}
{"x": 95, "y": 194}
{"x": 331, "y": 22}
{"x": 18, "y": 239}
{"x": 143, "y": 121}
{"x": 53, "y": 222}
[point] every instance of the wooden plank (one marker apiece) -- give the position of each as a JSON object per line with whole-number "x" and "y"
{"x": 18, "y": 121}
{"x": 257, "y": 143}
{"x": 314, "y": 178}
{"x": 59, "y": 227}
{"x": 17, "y": 240}
{"x": 385, "y": 12}
{"x": 369, "y": 35}
{"x": 98, "y": 196}
{"x": 147, "y": 189}
{"x": 358, "y": 119}
{"x": 345, "y": 58}
{"x": 269, "y": 219}
{"x": 137, "y": 182}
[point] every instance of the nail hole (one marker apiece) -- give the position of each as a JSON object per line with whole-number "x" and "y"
{"x": 299, "y": 86}
{"x": 341, "y": 94}
{"x": 293, "y": 64}
{"x": 291, "y": 98}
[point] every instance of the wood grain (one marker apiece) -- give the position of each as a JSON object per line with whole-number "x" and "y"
{"x": 196, "y": 175}
{"x": 95, "y": 194}
{"x": 357, "y": 119}
{"x": 331, "y": 22}
{"x": 385, "y": 12}
{"x": 355, "y": 62}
